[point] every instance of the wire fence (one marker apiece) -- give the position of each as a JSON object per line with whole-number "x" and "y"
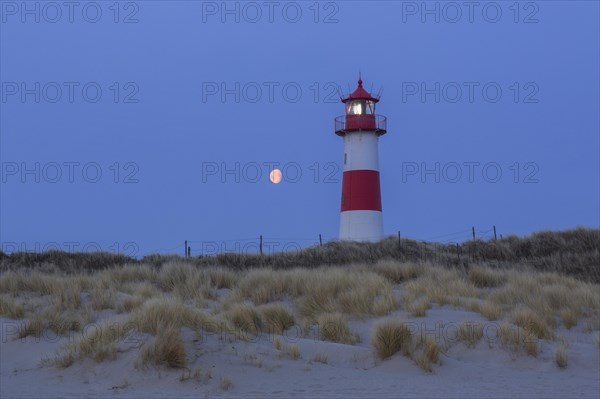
{"x": 575, "y": 252}
{"x": 439, "y": 245}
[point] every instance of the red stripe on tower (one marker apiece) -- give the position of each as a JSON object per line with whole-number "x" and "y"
{"x": 361, "y": 191}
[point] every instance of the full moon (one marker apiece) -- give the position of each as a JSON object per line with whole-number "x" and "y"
{"x": 275, "y": 176}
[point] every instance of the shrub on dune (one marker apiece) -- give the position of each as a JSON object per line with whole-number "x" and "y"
{"x": 389, "y": 337}
{"x": 159, "y": 313}
{"x": 531, "y": 322}
{"x": 11, "y": 308}
{"x": 245, "y": 318}
{"x": 426, "y": 353}
{"x": 276, "y": 317}
{"x": 334, "y": 327}
{"x": 569, "y": 317}
{"x": 397, "y": 272}
{"x": 560, "y": 357}
{"x": 484, "y": 277}
{"x": 470, "y": 333}
{"x": 166, "y": 349}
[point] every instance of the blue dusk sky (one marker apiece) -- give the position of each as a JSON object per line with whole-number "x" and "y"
{"x": 135, "y": 125}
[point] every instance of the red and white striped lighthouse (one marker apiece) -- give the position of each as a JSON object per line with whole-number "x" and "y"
{"x": 361, "y": 218}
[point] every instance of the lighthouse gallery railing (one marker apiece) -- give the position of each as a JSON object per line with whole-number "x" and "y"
{"x": 375, "y": 122}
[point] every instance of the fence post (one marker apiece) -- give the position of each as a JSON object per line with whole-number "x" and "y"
{"x": 320, "y": 240}
{"x": 189, "y": 251}
{"x": 185, "y": 249}
{"x": 473, "y": 230}
{"x": 260, "y": 246}
{"x": 495, "y": 238}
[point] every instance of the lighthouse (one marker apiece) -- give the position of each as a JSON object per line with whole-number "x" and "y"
{"x": 361, "y": 218}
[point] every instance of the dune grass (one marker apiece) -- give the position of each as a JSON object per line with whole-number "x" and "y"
{"x": 485, "y": 277}
{"x": 334, "y": 327}
{"x": 518, "y": 339}
{"x": 226, "y": 383}
{"x": 470, "y": 333}
{"x": 426, "y": 352}
{"x": 320, "y": 358}
{"x": 246, "y": 319}
{"x": 561, "y": 357}
{"x": 393, "y": 336}
{"x": 11, "y": 307}
{"x": 293, "y": 351}
{"x": 166, "y": 349}
{"x": 390, "y": 337}
{"x": 275, "y": 317}
{"x": 531, "y": 322}
{"x": 244, "y": 295}
{"x": 157, "y": 314}
{"x": 98, "y": 341}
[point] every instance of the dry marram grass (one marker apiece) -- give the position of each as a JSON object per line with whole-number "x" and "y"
{"x": 334, "y": 327}
{"x": 168, "y": 293}
{"x": 166, "y": 349}
{"x": 226, "y": 383}
{"x": 560, "y": 357}
{"x": 389, "y": 337}
{"x": 293, "y": 351}
{"x": 470, "y": 333}
{"x": 426, "y": 353}
{"x": 276, "y": 317}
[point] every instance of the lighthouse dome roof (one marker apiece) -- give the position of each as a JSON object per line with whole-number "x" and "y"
{"x": 360, "y": 94}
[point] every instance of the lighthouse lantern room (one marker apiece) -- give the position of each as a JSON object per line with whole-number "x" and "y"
{"x": 361, "y": 218}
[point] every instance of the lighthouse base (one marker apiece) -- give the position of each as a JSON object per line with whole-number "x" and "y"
{"x": 361, "y": 226}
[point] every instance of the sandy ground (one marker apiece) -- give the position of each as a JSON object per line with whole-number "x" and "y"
{"x": 258, "y": 370}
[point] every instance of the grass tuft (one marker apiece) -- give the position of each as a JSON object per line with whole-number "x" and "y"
{"x": 484, "y": 277}
{"x": 166, "y": 349}
{"x": 569, "y": 317}
{"x": 11, "y": 308}
{"x": 334, "y": 327}
{"x": 320, "y": 358}
{"x": 560, "y": 357}
{"x": 276, "y": 317}
{"x": 531, "y": 322}
{"x": 389, "y": 337}
{"x": 470, "y": 333}
{"x": 427, "y": 352}
{"x": 293, "y": 351}
{"x": 245, "y": 318}
{"x": 226, "y": 383}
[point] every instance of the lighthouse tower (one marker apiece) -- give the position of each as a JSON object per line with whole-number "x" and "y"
{"x": 361, "y": 218}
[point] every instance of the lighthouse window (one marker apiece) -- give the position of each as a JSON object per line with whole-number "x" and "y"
{"x": 370, "y": 108}
{"x": 356, "y": 108}
{"x": 361, "y": 107}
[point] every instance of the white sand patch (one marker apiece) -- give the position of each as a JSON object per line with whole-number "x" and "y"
{"x": 257, "y": 369}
